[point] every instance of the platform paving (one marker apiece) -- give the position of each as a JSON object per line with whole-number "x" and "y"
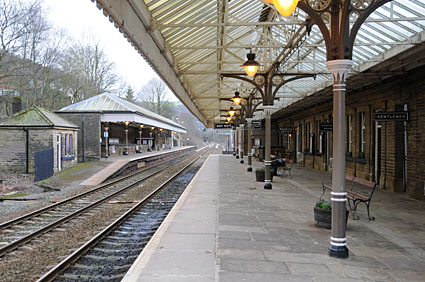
{"x": 226, "y": 227}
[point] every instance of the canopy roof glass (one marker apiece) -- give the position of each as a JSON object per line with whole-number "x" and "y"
{"x": 204, "y": 39}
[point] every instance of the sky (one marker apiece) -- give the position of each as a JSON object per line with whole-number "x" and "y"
{"x": 82, "y": 18}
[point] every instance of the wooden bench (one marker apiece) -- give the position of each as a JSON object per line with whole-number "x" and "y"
{"x": 354, "y": 198}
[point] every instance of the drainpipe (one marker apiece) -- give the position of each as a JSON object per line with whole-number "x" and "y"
{"x": 82, "y": 136}
{"x": 405, "y": 154}
{"x": 27, "y": 148}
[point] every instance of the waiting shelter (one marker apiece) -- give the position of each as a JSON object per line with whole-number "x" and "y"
{"x": 110, "y": 125}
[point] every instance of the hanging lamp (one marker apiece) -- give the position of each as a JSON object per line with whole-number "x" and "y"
{"x": 251, "y": 65}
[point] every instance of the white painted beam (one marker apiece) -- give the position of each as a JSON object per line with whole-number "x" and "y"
{"x": 134, "y": 20}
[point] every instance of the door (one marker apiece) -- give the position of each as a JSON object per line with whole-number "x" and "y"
{"x": 377, "y": 152}
{"x": 58, "y": 152}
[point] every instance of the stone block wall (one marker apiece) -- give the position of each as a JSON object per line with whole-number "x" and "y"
{"x": 387, "y": 96}
{"x": 91, "y": 134}
{"x": 13, "y": 149}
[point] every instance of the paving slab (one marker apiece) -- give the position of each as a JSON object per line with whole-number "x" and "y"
{"x": 251, "y": 234}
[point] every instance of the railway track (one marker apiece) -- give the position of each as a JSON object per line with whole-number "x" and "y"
{"x": 108, "y": 255}
{"x": 19, "y": 231}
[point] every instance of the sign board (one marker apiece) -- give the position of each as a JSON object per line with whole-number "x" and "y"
{"x": 222, "y": 125}
{"x": 224, "y": 131}
{"x": 392, "y": 116}
{"x": 326, "y": 126}
{"x": 286, "y": 129}
{"x": 256, "y": 124}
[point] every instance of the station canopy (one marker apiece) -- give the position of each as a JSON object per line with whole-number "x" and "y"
{"x": 191, "y": 44}
{"x": 115, "y": 109}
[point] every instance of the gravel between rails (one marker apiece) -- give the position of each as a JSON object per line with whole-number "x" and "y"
{"x": 31, "y": 261}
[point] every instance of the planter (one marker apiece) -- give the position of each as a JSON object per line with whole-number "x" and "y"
{"x": 323, "y": 218}
{"x": 260, "y": 175}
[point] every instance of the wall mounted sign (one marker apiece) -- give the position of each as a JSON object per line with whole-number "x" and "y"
{"x": 286, "y": 129}
{"x": 391, "y": 116}
{"x": 222, "y": 125}
{"x": 326, "y": 126}
{"x": 256, "y": 124}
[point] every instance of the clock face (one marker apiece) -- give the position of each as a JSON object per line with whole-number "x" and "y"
{"x": 259, "y": 79}
{"x": 277, "y": 79}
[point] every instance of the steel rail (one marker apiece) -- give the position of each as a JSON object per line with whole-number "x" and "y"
{"x": 42, "y": 210}
{"x": 71, "y": 259}
{"x": 21, "y": 241}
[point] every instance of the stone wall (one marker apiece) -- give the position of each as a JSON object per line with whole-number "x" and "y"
{"x": 91, "y": 134}
{"x": 13, "y": 149}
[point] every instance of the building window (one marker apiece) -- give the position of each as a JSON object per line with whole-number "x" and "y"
{"x": 350, "y": 134}
{"x": 71, "y": 147}
{"x": 362, "y": 133}
{"x": 66, "y": 144}
{"x": 307, "y": 137}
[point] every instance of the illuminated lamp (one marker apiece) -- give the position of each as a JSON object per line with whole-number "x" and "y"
{"x": 231, "y": 112}
{"x": 142, "y": 125}
{"x": 228, "y": 118}
{"x": 285, "y": 7}
{"x": 251, "y": 65}
{"x": 153, "y": 127}
{"x": 237, "y": 99}
{"x": 268, "y": 1}
{"x": 126, "y": 123}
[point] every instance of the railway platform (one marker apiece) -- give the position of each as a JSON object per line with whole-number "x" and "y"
{"x": 226, "y": 227}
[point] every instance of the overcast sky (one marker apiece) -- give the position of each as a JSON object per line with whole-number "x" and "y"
{"x": 81, "y": 17}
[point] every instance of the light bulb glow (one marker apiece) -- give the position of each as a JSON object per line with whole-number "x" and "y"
{"x": 285, "y": 7}
{"x": 237, "y": 101}
{"x": 251, "y": 70}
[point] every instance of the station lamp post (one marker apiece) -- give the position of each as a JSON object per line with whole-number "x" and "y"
{"x": 105, "y": 134}
{"x": 333, "y": 19}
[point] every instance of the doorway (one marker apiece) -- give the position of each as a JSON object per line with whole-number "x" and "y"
{"x": 58, "y": 152}
{"x": 378, "y": 128}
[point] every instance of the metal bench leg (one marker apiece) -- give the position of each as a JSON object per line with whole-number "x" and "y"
{"x": 368, "y": 214}
{"x": 355, "y": 203}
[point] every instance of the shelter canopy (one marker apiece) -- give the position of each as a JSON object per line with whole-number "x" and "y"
{"x": 115, "y": 109}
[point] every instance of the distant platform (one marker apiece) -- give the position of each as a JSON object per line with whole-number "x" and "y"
{"x": 119, "y": 162}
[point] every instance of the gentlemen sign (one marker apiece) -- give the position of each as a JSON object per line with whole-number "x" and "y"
{"x": 286, "y": 129}
{"x": 326, "y": 126}
{"x": 392, "y": 116}
{"x": 222, "y": 125}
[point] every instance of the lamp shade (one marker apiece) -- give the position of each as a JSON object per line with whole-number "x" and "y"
{"x": 251, "y": 65}
{"x": 285, "y": 7}
{"x": 237, "y": 99}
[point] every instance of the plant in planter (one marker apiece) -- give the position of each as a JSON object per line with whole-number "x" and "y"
{"x": 323, "y": 214}
{"x": 260, "y": 174}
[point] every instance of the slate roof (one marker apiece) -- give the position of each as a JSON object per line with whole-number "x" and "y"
{"x": 110, "y": 103}
{"x": 36, "y": 117}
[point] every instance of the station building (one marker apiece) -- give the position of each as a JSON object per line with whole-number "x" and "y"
{"x": 110, "y": 125}
{"x": 36, "y": 131}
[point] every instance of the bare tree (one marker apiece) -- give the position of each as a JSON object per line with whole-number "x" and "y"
{"x": 87, "y": 70}
{"x": 154, "y": 98}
